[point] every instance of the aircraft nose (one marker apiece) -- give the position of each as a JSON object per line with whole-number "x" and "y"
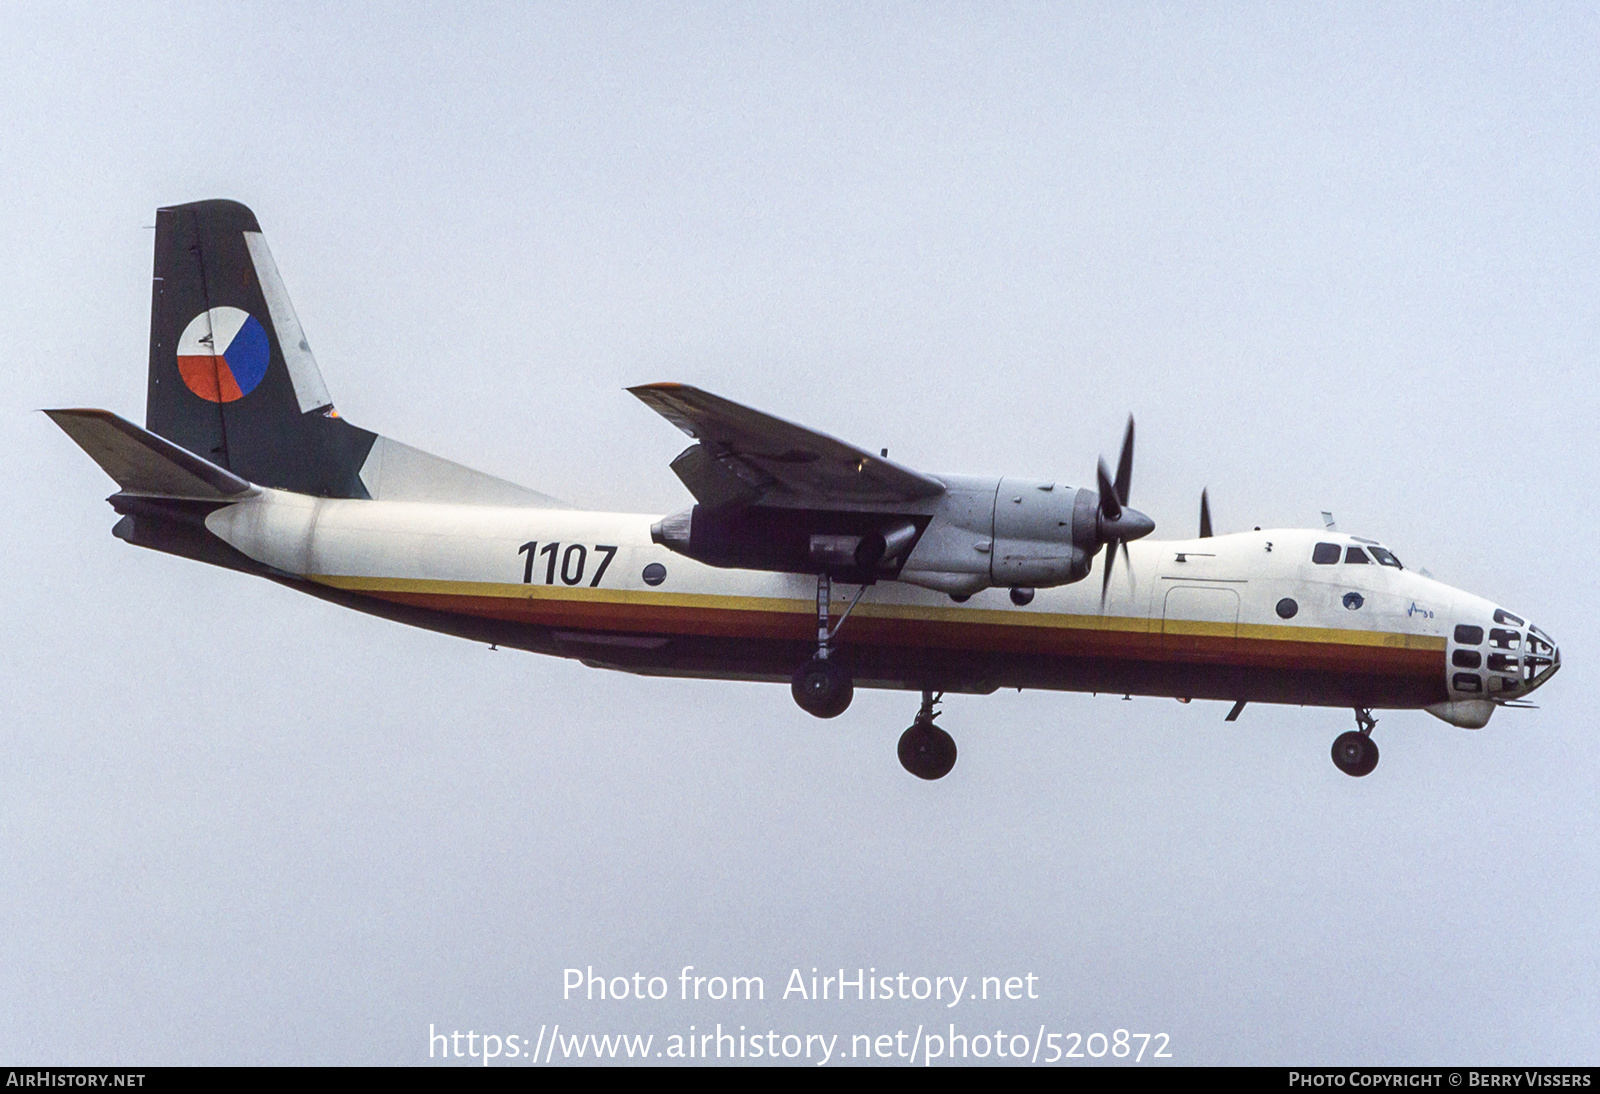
{"x": 1541, "y": 658}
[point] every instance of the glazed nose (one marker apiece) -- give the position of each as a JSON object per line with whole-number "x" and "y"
{"x": 1541, "y": 659}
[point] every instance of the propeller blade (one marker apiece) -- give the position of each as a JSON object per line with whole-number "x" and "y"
{"x": 1205, "y": 516}
{"x": 1125, "y": 464}
{"x": 1111, "y": 565}
{"x": 1110, "y": 503}
{"x": 1105, "y": 581}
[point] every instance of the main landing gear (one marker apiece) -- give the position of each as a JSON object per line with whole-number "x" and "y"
{"x": 822, "y": 687}
{"x": 1356, "y": 753}
{"x": 927, "y": 751}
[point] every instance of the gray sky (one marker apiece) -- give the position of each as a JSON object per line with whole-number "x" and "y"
{"x": 1330, "y": 259}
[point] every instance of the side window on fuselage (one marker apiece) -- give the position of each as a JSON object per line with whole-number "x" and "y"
{"x": 1325, "y": 554}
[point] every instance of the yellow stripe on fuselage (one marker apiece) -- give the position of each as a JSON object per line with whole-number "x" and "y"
{"x": 925, "y": 613}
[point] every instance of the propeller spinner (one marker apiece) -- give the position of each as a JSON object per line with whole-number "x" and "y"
{"x": 1117, "y": 524}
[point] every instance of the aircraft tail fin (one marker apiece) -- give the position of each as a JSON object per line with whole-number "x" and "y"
{"x": 143, "y": 463}
{"x": 233, "y": 379}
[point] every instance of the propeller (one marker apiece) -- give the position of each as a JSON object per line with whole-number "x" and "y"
{"x": 1116, "y": 523}
{"x": 1205, "y": 516}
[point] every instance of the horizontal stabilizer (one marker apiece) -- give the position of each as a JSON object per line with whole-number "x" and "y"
{"x": 143, "y": 463}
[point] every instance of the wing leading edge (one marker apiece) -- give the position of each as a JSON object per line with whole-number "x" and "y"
{"x": 745, "y": 457}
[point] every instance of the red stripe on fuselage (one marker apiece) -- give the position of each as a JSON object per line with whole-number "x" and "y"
{"x": 869, "y": 630}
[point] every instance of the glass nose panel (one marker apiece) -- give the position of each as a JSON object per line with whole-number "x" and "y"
{"x": 1516, "y": 661}
{"x": 1540, "y": 658}
{"x": 1503, "y": 662}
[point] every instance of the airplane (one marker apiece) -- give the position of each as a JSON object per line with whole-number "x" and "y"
{"x": 961, "y": 584}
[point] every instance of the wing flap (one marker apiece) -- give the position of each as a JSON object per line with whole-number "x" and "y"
{"x": 143, "y": 463}
{"x": 802, "y": 463}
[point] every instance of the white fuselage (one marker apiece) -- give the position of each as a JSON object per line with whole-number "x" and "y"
{"x": 1248, "y": 616}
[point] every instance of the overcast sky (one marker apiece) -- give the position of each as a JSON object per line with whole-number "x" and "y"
{"x": 1330, "y": 259}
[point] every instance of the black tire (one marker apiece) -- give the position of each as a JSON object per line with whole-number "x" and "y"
{"x": 822, "y": 688}
{"x": 1355, "y": 754}
{"x": 927, "y": 751}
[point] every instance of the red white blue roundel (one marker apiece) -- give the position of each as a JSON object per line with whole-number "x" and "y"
{"x": 223, "y": 354}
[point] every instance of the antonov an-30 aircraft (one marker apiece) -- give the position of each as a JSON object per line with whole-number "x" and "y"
{"x": 804, "y": 559}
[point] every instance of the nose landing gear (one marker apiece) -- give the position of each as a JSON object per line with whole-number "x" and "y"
{"x": 1355, "y": 752}
{"x": 927, "y": 751}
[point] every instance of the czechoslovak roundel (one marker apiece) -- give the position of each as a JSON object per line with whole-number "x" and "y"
{"x": 223, "y": 354}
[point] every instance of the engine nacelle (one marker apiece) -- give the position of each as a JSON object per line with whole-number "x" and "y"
{"x": 1044, "y": 534}
{"x": 980, "y": 532}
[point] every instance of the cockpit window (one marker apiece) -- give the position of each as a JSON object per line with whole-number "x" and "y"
{"x": 1505, "y": 640}
{"x": 1356, "y": 554}
{"x": 1503, "y": 616}
{"x": 1385, "y": 557}
{"x": 1325, "y": 554}
{"x": 1468, "y": 635}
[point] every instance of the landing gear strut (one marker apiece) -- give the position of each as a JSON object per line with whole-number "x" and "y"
{"x": 823, "y": 687}
{"x": 1356, "y": 753}
{"x": 927, "y": 751}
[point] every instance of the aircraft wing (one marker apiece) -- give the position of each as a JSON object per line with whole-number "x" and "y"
{"x": 746, "y": 456}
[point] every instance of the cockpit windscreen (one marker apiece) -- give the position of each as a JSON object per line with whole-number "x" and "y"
{"x": 1385, "y": 557}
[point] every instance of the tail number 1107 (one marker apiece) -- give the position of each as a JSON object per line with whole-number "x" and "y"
{"x": 572, "y": 562}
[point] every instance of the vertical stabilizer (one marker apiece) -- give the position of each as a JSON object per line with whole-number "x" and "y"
{"x": 232, "y": 378}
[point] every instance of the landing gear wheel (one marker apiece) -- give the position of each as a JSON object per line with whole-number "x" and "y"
{"x": 822, "y": 688}
{"x": 927, "y": 751}
{"x": 1355, "y": 753}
